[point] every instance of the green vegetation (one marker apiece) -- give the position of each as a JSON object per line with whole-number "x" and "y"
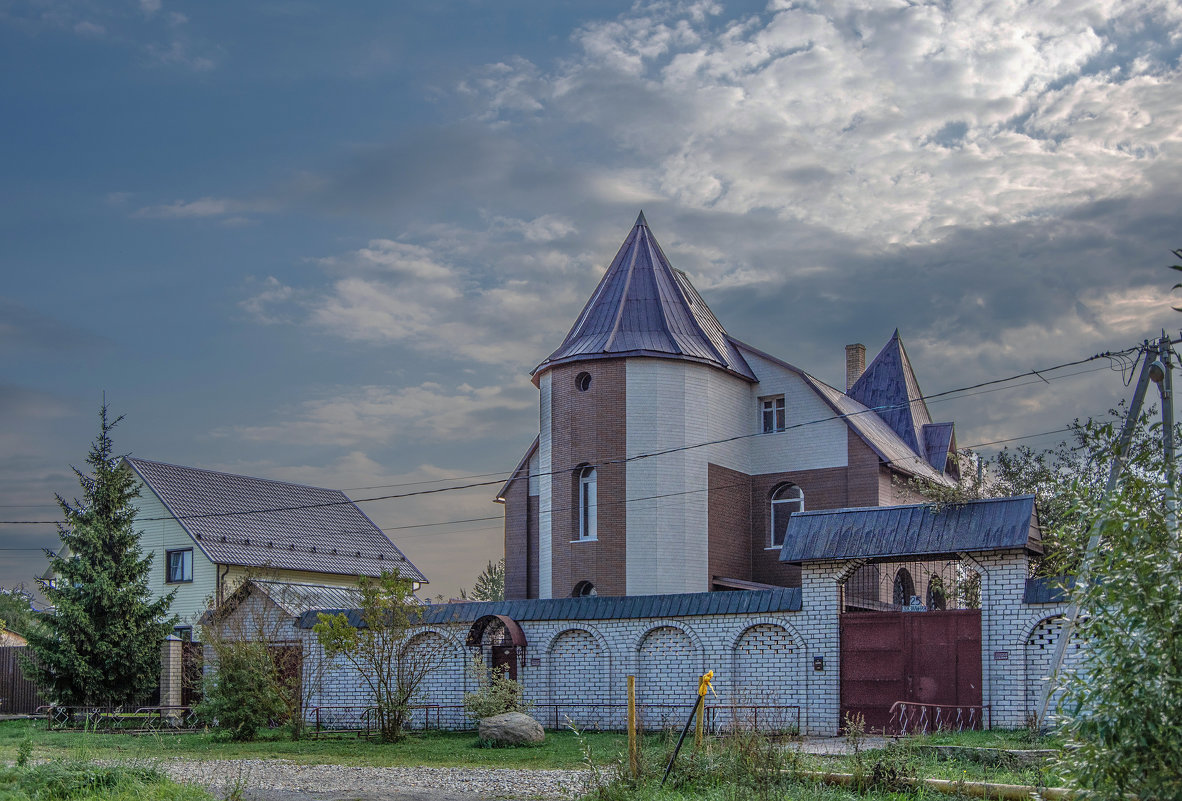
{"x": 383, "y": 650}
{"x": 1123, "y": 702}
{"x": 102, "y": 645}
{"x": 432, "y": 749}
{"x": 244, "y": 693}
{"x": 490, "y": 584}
{"x": 495, "y": 692}
{"x": 16, "y": 610}
{"x": 85, "y": 781}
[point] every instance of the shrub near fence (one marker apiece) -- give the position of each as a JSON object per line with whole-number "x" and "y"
{"x": 18, "y": 695}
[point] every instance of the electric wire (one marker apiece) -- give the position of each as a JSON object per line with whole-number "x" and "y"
{"x": 965, "y": 391}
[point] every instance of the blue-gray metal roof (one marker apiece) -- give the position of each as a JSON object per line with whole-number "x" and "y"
{"x": 937, "y": 442}
{"x": 883, "y": 532}
{"x": 623, "y": 607}
{"x": 1047, "y": 589}
{"x": 256, "y": 522}
{"x": 644, "y": 307}
{"x": 888, "y": 386}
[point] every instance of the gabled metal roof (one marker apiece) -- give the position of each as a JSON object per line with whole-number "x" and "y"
{"x": 786, "y": 599}
{"x": 295, "y": 598}
{"x": 882, "y": 532}
{"x": 256, "y": 522}
{"x": 644, "y": 307}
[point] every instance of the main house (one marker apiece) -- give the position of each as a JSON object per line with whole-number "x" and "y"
{"x": 210, "y": 531}
{"x": 670, "y": 455}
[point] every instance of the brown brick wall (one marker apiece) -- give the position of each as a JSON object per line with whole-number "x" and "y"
{"x": 517, "y": 539}
{"x": 588, "y": 428}
{"x": 865, "y": 470}
{"x": 729, "y": 523}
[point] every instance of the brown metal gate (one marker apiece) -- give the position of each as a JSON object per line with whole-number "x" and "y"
{"x": 18, "y": 695}
{"x": 920, "y": 657}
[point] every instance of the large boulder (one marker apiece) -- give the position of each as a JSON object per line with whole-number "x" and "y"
{"x": 510, "y": 728}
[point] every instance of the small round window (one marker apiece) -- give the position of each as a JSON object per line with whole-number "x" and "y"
{"x": 583, "y": 382}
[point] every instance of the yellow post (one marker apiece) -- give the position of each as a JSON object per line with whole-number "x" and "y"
{"x": 633, "y": 743}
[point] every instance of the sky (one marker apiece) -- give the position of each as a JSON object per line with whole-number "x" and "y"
{"x": 327, "y": 243}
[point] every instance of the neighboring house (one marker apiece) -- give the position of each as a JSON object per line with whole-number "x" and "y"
{"x": 209, "y": 531}
{"x": 670, "y": 455}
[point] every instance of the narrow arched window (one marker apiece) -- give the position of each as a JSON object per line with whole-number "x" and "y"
{"x": 936, "y": 596}
{"x": 786, "y": 499}
{"x": 585, "y": 589}
{"x": 587, "y": 503}
{"x": 904, "y": 587}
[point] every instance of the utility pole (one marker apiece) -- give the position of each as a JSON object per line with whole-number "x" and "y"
{"x": 1157, "y": 367}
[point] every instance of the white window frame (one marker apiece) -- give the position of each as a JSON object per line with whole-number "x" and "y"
{"x": 186, "y": 555}
{"x": 588, "y": 489}
{"x": 772, "y": 414}
{"x": 781, "y": 505}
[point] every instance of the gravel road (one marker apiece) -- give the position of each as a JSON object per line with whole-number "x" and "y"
{"x": 280, "y": 780}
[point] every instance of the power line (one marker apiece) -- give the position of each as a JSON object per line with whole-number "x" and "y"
{"x": 1110, "y": 355}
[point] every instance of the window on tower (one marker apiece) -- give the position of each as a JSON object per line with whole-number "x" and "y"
{"x": 586, "y": 487}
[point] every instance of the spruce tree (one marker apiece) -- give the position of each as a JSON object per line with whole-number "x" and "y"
{"x": 101, "y": 644}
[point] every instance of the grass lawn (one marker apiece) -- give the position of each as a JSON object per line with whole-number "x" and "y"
{"x": 435, "y": 749}
{"x": 87, "y": 782}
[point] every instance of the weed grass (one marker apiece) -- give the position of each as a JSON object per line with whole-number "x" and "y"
{"x": 84, "y": 781}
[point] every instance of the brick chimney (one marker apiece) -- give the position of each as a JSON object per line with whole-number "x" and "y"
{"x": 855, "y": 364}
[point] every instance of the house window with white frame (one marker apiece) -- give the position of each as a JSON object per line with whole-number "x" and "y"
{"x": 179, "y": 565}
{"x": 772, "y": 413}
{"x": 587, "y": 504}
{"x": 786, "y": 499}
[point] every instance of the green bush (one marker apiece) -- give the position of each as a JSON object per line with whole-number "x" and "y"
{"x": 495, "y": 692}
{"x": 242, "y": 694}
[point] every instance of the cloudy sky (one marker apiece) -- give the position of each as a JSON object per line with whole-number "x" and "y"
{"x": 326, "y": 243}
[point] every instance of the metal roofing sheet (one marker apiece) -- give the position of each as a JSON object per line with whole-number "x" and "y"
{"x": 257, "y": 522}
{"x": 643, "y": 306}
{"x": 1047, "y": 589}
{"x": 786, "y": 599}
{"x": 888, "y": 385}
{"x": 911, "y": 530}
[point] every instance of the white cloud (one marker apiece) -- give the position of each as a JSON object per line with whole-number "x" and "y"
{"x": 889, "y": 122}
{"x": 469, "y": 295}
{"x": 229, "y": 210}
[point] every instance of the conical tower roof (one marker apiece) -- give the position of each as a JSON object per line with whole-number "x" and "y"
{"x": 888, "y": 386}
{"x": 644, "y": 307}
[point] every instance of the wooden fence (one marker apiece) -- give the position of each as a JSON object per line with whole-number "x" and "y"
{"x": 18, "y": 695}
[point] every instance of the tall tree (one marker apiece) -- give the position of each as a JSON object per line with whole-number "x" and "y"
{"x": 490, "y": 584}
{"x": 101, "y": 644}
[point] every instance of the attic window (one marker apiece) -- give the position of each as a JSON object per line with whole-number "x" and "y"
{"x": 246, "y": 541}
{"x": 583, "y": 382}
{"x": 313, "y": 549}
{"x": 381, "y": 556}
{"x": 772, "y": 414}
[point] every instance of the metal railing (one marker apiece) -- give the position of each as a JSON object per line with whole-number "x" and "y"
{"x": 360, "y": 719}
{"x": 909, "y": 717}
{"x": 105, "y": 718}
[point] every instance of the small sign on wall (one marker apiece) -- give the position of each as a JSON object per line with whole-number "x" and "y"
{"x": 818, "y": 663}
{"x": 1001, "y": 656}
{"x": 535, "y": 661}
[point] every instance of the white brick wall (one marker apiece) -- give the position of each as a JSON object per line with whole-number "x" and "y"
{"x": 768, "y": 659}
